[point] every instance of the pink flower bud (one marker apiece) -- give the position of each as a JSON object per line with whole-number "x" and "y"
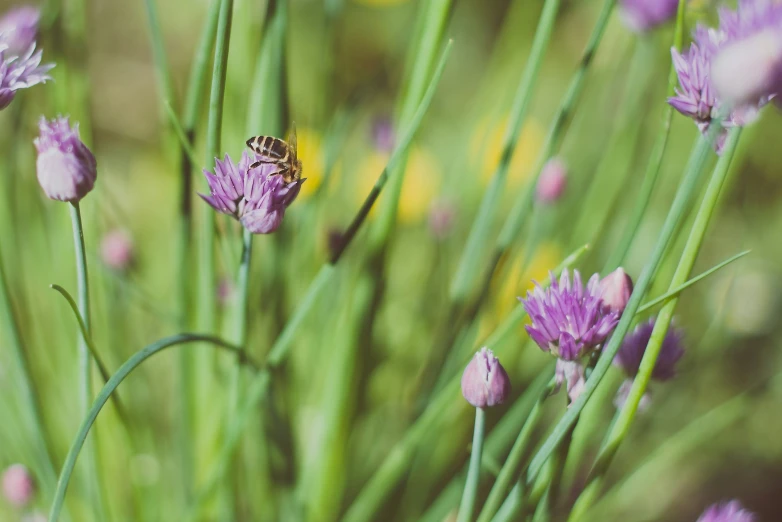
{"x": 615, "y": 290}
{"x": 441, "y": 218}
{"x": 18, "y": 485}
{"x": 117, "y": 250}
{"x": 485, "y": 382}
{"x": 66, "y": 167}
{"x": 552, "y": 181}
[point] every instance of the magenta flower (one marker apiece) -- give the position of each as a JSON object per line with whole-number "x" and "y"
{"x": 570, "y": 322}
{"x": 644, "y": 15}
{"x": 18, "y": 485}
{"x": 727, "y": 512}
{"x": 484, "y": 381}
{"x": 697, "y": 96}
{"x": 20, "y": 72}
{"x": 19, "y": 28}
{"x": 254, "y": 197}
{"x": 66, "y": 167}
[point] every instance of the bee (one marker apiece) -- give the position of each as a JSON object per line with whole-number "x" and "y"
{"x": 278, "y": 152}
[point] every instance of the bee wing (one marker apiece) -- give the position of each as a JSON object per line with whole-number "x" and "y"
{"x": 292, "y": 140}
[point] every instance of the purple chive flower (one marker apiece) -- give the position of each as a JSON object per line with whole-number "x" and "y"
{"x": 66, "y": 167}
{"x": 615, "y": 290}
{"x": 20, "y": 72}
{"x": 641, "y": 16}
{"x": 552, "y": 181}
{"x": 731, "y": 511}
{"x": 18, "y": 485}
{"x": 629, "y": 356}
{"x": 697, "y": 96}
{"x": 19, "y": 28}
{"x": 484, "y": 381}
{"x": 253, "y": 196}
{"x": 570, "y": 322}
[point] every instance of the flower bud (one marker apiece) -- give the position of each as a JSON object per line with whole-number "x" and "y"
{"x": 117, "y": 250}
{"x": 19, "y": 28}
{"x": 18, "y": 485}
{"x": 615, "y": 290}
{"x": 485, "y": 382}
{"x": 552, "y": 181}
{"x": 747, "y": 70}
{"x": 66, "y": 167}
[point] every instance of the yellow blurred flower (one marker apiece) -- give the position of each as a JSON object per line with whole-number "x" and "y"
{"x": 310, "y": 151}
{"x": 487, "y": 148}
{"x": 420, "y": 187}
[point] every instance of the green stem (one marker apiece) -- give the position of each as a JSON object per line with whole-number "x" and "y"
{"x": 514, "y": 462}
{"x": 85, "y": 389}
{"x": 655, "y": 158}
{"x": 109, "y": 388}
{"x": 206, "y": 281}
{"x": 626, "y": 416}
{"x": 473, "y": 474}
{"x": 240, "y": 315}
{"x": 476, "y": 241}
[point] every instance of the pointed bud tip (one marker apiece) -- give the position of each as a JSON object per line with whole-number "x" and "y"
{"x": 485, "y": 382}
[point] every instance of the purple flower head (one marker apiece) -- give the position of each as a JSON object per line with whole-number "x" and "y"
{"x": 18, "y": 485}
{"x": 643, "y": 15}
{"x": 484, "y": 381}
{"x": 20, "y": 72}
{"x": 727, "y": 512}
{"x": 743, "y": 55}
{"x": 19, "y": 28}
{"x": 253, "y": 196}
{"x": 629, "y": 356}
{"x": 569, "y": 320}
{"x": 66, "y": 167}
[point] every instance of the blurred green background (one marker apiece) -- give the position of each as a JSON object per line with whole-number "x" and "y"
{"x": 345, "y": 63}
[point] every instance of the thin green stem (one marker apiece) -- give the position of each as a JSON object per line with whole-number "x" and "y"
{"x": 514, "y": 462}
{"x": 476, "y": 241}
{"x": 621, "y": 427}
{"x": 240, "y": 315}
{"x": 181, "y": 133}
{"x": 467, "y": 505}
{"x": 85, "y": 388}
{"x": 109, "y": 388}
{"x": 163, "y": 75}
{"x": 206, "y": 281}
{"x": 655, "y": 159}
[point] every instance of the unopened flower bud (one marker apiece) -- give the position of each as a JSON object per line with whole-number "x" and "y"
{"x": 641, "y": 16}
{"x": 18, "y": 485}
{"x": 552, "y": 181}
{"x": 485, "y": 382}
{"x": 615, "y": 290}
{"x": 441, "y": 217}
{"x": 117, "y": 250}
{"x": 749, "y": 69}
{"x": 66, "y": 167}
{"x": 19, "y": 28}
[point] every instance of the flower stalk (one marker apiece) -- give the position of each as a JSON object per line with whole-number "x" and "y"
{"x": 473, "y": 474}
